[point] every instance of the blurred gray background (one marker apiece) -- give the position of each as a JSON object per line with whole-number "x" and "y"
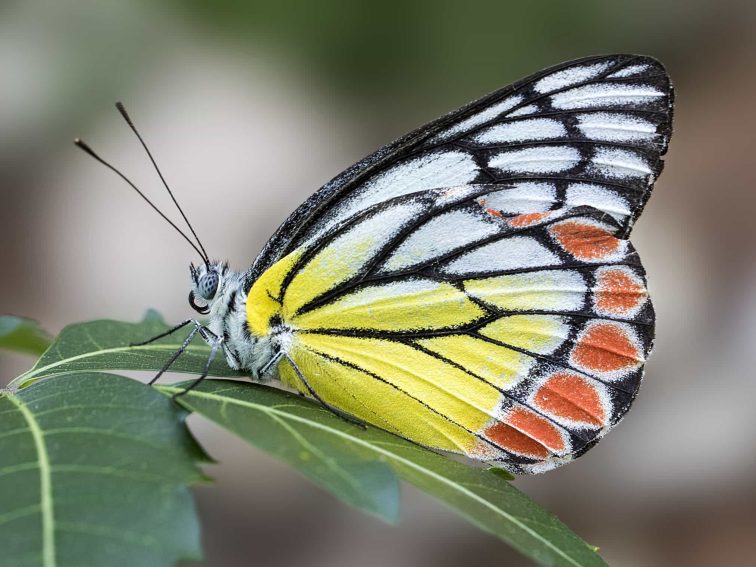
{"x": 251, "y": 106}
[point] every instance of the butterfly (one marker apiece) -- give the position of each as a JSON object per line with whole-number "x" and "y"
{"x": 470, "y": 286}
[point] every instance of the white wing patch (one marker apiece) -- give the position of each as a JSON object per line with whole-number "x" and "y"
{"x": 505, "y": 254}
{"x": 442, "y": 169}
{"x": 438, "y": 236}
{"x": 544, "y": 159}
{"x": 524, "y": 197}
{"x": 475, "y": 120}
{"x": 525, "y": 110}
{"x": 535, "y": 129}
{"x": 569, "y": 76}
{"x": 450, "y": 195}
{"x": 629, "y": 71}
{"x": 605, "y": 95}
{"x": 439, "y": 169}
{"x": 614, "y": 127}
{"x": 598, "y": 197}
{"x": 619, "y": 164}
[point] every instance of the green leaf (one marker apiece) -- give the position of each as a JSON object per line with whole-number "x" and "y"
{"x": 23, "y": 335}
{"x": 501, "y": 473}
{"x": 104, "y": 345}
{"x": 289, "y": 427}
{"x": 357, "y": 478}
{"x": 94, "y": 470}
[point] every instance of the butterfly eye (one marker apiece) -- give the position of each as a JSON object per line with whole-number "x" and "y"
{"x": 208, "y": 285}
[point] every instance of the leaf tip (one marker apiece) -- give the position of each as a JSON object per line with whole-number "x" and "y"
{"x": 153, "y": 315}
{"x": 501, "y": 473}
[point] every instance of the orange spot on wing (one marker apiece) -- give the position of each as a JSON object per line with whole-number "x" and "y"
{"x": 606, "y": 347}
{"x": 619, "y": 292}
{"x": 509, "y": 438}
{"x": 585, "y": 241}
{"x": 526, "y": 433}
{"x": 571, "y": 397}
{"x": 526, "y": 219}
{"x": 494, "y": 213}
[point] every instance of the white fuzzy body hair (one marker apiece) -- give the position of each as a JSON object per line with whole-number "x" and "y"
{"x": 228, "y": 319}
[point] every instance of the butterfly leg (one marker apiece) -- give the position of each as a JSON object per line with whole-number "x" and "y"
{"x": 175, "y": 355}
{"x": 273, "y": 361}
{"x": 215, "y": 343}
{"x": 165, "y": 334}
{"x": 326, "y": 405}
{"x": 209, "y": 337}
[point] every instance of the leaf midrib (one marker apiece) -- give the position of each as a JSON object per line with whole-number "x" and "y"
{"x": 387, "y": 453}
{"x": 42, "y": 369}
{"x": 45, "y": 483}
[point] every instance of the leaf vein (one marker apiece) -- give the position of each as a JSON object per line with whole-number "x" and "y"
{"x": 19, "y": 513}
{"x": 45, "y": 486}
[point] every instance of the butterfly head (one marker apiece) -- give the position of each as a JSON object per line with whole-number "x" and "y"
{"x": 207, "y": 285}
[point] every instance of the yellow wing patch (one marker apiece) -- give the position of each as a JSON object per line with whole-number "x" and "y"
{"x": 500, "y": 366}
{"x": 541, "y": 334}
{"x": 406, "y": 305}
{"x": 562, "y": 290}
{"x": 264, "y": 296}
{"x": 375, "y": 401}
{"x": 452, "y": 392}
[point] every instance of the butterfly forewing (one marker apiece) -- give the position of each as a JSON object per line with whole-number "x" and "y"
{"x": 591, "y": 131}
{"x": 470, "y": 287}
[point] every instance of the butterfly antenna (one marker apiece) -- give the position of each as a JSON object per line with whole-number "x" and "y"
{"x": 127, "y": 118}
{"x": 83, "y": 146}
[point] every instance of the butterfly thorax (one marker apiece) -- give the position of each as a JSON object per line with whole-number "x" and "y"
{"x": 227, "y": 318}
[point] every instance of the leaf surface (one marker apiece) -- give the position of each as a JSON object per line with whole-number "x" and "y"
{"x": 23, "y": 335}
{"x": 94, "y": 470}
{"x": 105, "y": 345}
{"x": 296, "y": 430}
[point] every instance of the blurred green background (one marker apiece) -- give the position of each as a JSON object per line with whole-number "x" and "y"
{"x": 250, "y": 106}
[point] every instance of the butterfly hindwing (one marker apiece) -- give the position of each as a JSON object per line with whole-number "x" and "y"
{"x": 518, "y": 338}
